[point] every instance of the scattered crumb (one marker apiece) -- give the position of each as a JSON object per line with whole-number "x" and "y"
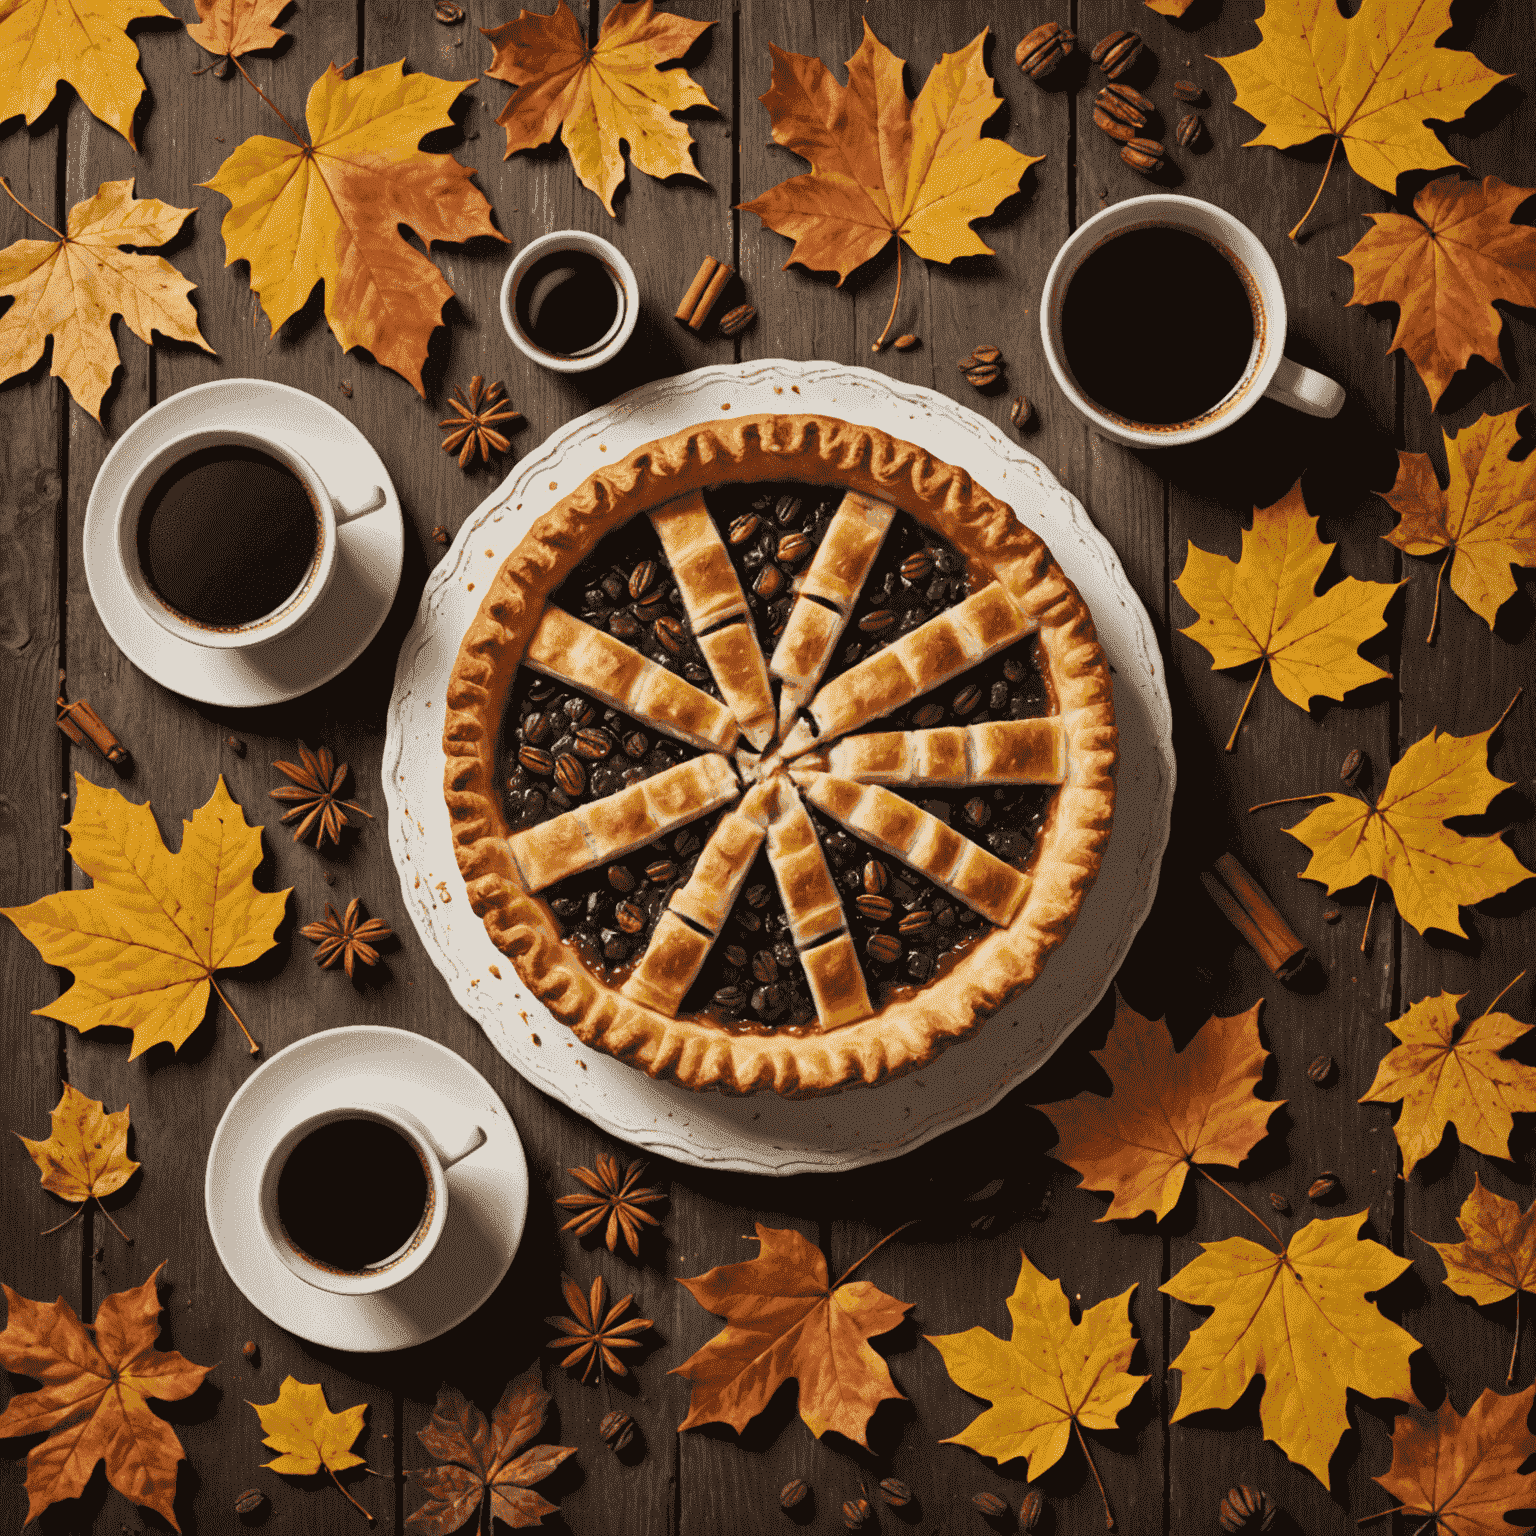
{"x": 345, "y": 388}
{"x": 440, "y": 534}
{"x": 495, "y": 971}
{"x": 470, "y": 587}
{"x": 235, "y": 745}
{"x": 554, "y": 485}
{"x": 534, "y": 1038}
{"x": 329, "y": 877}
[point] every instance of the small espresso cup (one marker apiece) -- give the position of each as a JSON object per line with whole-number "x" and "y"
{"x": 331, "y": 512}
{"x": 617, "y": 270}
{"x": 390, "y": 1269}
{"x": 1268, "y": 373}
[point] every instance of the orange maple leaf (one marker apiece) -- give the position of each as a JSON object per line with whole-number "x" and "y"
{"x": 1445, "y": 269}
{"x": 86, "y": 43}
{"x": 1168, "y": 1110}
{"x": 1464, "y": 1473}
{"x": 784, "y": 1320}
{"x": 1497, "y": 1258}
{"x": 596, "y": 97}
{"x": 883, "y": 165}
{"x": 330, "y": 211}
{"x": 1403, "y": 839}
{"x": 1300, "y": 1319}
{"x": 1263, "y": 607}
{"x": 1370, "y": 80}
{"x": 66, "y": 290}
{"x": 1051, "y": 1379}
{"x": 1445, "y": 1075}
{"x": 85, "y": 1157}
{"x": 1483, "y": 523}
{"x": 92, "y": 1402}
{"x": 233, "y": 27}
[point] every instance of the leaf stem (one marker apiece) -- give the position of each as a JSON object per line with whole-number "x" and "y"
{"x": 1323, "y": 183}
{"x": 872, "y": 1252}
{"x": 1230, "y": 1196}
{"x": 108, "y": 1214}
{"x": 1380, "y": 1514}
{"x": 1109, "y": 1519}
{"x": 1495, "y": 1003}
{"x": 1434, "y": 617}
{"x": 44, "y": 222}
{"x": 1264, "y": 805}
{"x": 255, "y": 1049}
{"x": 1509, "y": 1380}
{"x": 298, "y": 138}
{"x": 49, "y": 1231}
{"x": 347, "y": 1496}
{"x": 890, "y": 319}
{"x": 1365, "y": 932}
{"x": 1232, "y": 739}
{"x": 1505, "y": 716}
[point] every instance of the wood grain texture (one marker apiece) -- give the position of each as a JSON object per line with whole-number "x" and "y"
{"x": 979, "y": 1194}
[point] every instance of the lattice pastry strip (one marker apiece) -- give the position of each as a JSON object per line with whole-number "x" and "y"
{"x": 809, "y": 895}
{"x": 921, "y": 659}
{"x": 827, "y": 590}
{"x": 896, "y": 826}
{"x": 687, "y": 930}
{"x": 1032, "y": 751}
{"x": 605, "y": 829}
{"x": 717, "y": 611}
{"x": 565, "y": 647}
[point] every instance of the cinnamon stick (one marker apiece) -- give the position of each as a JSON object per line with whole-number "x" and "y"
{"x": 1244, "y": 904}
{"x": 722, "y": 275}
{"x": 81, "y": 723}
{"x": 696, "y": 289}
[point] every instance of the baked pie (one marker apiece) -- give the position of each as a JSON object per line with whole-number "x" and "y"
{"x": 779, "y": 756}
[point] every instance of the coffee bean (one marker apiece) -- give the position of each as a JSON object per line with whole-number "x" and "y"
{"x": 770, "y": 580}
{"x": 881, "y": 947}
{"x": 533, "y": 802}
{"x": 578, "y": 711}
{"x": 927, "y": 716}
{"x": 641, "y": 577}
{"x": 916, "y": 568}
{"x": 652, "y": 601}
{"x": 735, "y": 955}
{"x": 977, "y": 811}
{"x": 535, "y": 727}
{"x": 637, "y": 744}
{"x": 876, "y": 877}
{"x": 730, "y": 997}
{"x": 629, "y": 917}
{"x": 967, "y": 699}
{"x": 569, "y": 774}
{"x": 593, "y": 743}
{"x": 787, "y": 509}
{"x": 758, "y": 895}
{"x": 764, "y": 966}
{"x": 1014, "y": 669}
{"x": 536, "y": 760}
{"x": 877, "y": 908}
{"x": 873, "y": 623}
{"x": 997, "y": 698}
{"x": 670, "y": 634}
{"x": 620, "y": 878}
{"x": 920, "y": 965}
{"x": 915, "y": 922}
{"x": 615, "y": 587}
{"x": 749, "y": 920}
{"x": 743, "y": 528}
{"x": 793, "y": 547}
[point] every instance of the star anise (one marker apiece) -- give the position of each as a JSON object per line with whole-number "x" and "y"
{"x": 615, "y": 1194}
{"x": 591, "y": 1333}
{"x": 350, "y": 938}
{"x": 472, "y": 427}
{"x": 317, "y": 783}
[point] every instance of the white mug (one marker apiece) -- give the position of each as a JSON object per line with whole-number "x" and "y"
{"x": 417, "y": 1248}
{"x": 331, "y": 512}
{"x": 1269, "y": 372}
{"x": 626, "y": 287}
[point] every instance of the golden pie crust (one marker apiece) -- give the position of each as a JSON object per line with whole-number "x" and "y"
{"x": 918, "y": 1022}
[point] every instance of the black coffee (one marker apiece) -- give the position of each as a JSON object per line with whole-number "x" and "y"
{"x": 1157, "y": 326}
{"x": 226, "y": 535}
{"x": 567, "y": 302}
{"x": 352, "y": 1193}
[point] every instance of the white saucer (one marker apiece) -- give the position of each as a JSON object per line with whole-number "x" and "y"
{"x": 762, "y": 1133}
{"x": 487, "y": 1191}
{"x": 370, "y": 551}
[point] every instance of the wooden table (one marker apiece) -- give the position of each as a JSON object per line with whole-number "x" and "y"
{"x": 1186, "y": 962}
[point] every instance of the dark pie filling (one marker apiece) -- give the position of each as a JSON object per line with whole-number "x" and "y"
{"x": 906, "y": 930}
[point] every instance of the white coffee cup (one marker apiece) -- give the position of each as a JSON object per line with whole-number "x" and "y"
{"x": 331, "y": 512}
{"x": 626, "y": 287}
{"x": 1269, "y": 373}
{"x": 417, "y": 1248}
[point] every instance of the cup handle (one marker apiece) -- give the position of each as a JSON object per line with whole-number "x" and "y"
{"x": 1304, "y": 389}
{"x": 477, "y": 1139}
{"x": 371, "y": 502}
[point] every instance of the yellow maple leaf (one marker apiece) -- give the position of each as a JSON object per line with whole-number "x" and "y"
{"x": 1444, "y": 269}
{"x": 234, "y": 27}
{"x": 1370, "y": 80}
{"x": 145, "y": 940}
{"x": 1443, "y": 1078}
{"x": 69, "y": 288}
{"x": 84, "y": 42}
{"x": 307, "y": 1435}
{"x": 1300, "y": 1319}
{"x": 596, "y": 97}
{"x": 86, "y": 1154}
{"x": 1263, "y": 607}
{"x": 1053, "y": 1377}
{"x": 1483, "y": 523}
{"x": 330, "y": 211}
{"x": 1168, "y": 1109}
{"x": 1403, "y": 839}
{"x": 1169, "y": 7}
{"x": 1497, "y": 1258}
{"x": 883, "y": 165}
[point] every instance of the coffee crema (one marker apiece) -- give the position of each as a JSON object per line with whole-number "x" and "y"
{"x": 227, "y": 535}
{"x": 1157, "y": 325}
{"x": 352, "y": 1194}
